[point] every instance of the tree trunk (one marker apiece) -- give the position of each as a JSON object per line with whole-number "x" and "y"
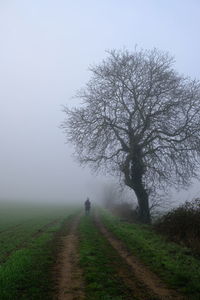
{"x": 137, "y": 172}
{"x": 134, "y": 170}
{"x": 143, "y": 203}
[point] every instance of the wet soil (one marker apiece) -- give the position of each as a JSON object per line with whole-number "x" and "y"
{"x": 67, "y": 271}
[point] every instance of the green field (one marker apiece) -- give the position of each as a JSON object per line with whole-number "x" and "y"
{"x": 30, "y": 240}
{"x": 27, "y": 249}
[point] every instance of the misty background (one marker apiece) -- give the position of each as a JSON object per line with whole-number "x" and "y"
{"x": 46, "y": 48}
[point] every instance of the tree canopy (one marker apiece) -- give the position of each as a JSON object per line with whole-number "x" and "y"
{"x": 139, "y": 119}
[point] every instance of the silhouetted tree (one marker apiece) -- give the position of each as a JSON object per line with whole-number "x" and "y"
{"x": 140, "y": 119}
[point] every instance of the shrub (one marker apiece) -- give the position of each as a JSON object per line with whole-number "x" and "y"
{"x": 182, "y": 225}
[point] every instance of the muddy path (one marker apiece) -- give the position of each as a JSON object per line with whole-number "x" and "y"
{"x": 69, "y": 279}
{"x": 149, "y": 283}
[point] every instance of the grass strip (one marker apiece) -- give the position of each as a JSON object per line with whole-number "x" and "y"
{"x": 98, "y": 260}
{"x": 173, "y": 263}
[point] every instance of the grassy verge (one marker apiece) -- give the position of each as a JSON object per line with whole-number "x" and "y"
{"x": 173, "y": 263}
{"x": 27, "y": 273}
{"x": 100, "y": 262}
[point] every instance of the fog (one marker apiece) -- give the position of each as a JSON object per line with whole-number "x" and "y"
{"x": 46, "y": 48}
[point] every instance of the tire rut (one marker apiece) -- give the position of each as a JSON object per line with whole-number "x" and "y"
{"x": 67, "y": 271}
{"x": 150, "y": 282}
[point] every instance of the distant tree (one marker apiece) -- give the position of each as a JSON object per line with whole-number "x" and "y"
{"x": 139, "y": 119}
{"x": 114, "y": 194}
{"x": 110, "y": 195}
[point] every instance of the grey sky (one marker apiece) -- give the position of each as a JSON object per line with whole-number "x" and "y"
{"x": 46, "y": 48}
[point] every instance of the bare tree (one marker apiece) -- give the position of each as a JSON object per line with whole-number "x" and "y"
{"x": 114, "y": 194}
{"x": 139, "y": 119}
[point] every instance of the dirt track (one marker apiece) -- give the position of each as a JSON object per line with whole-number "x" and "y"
{"x": 69, "y": 275}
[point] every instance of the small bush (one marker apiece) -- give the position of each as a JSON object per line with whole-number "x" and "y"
{"x": 182, "y": 225}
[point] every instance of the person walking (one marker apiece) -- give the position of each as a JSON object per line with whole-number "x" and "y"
{"x": 87, "y": 206}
